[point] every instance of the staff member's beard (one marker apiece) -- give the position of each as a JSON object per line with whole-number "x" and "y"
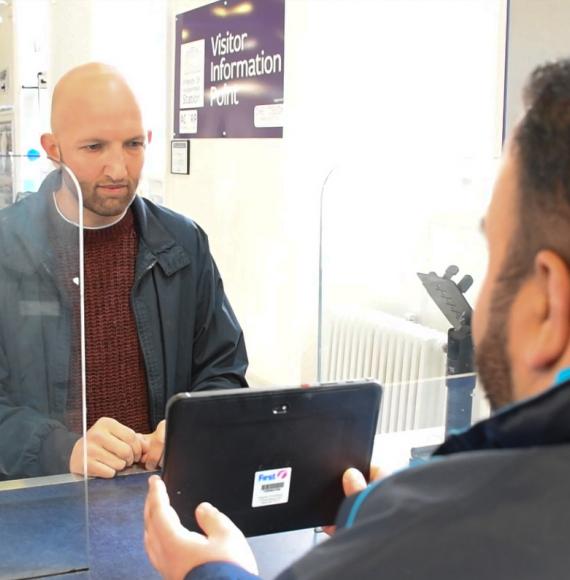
{"x": 491, "y": 354}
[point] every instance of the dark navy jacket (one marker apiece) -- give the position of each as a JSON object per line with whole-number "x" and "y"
{"x": 493, "y": 503}
{"x": 189, "y": 335}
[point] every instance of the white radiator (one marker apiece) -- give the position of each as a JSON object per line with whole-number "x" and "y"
{"x": 406, "y": 358}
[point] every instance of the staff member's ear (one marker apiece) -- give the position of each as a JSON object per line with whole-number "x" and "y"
{"x": 540, "y": 324}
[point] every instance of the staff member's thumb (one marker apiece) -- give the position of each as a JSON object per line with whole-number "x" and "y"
{"x": 353, "y": 481}
{"x": 213, "y": 522}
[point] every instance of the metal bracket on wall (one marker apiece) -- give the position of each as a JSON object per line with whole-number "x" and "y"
{"x": 42, "y": 84}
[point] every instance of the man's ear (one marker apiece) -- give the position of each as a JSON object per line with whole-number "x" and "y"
{"x": 552, "y": 309}
{"x": 49, "y": 145}
{"x": 149, "y": 136}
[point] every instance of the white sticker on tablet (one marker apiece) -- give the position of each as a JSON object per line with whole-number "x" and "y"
{"x": 271, "y": 487}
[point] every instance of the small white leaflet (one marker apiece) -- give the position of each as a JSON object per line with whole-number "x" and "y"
{"x": 268, "y": 115}
{"x": 188, "y": 122}
{"x": 192, "y": 65}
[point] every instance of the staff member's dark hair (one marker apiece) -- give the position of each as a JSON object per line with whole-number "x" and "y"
{"x": 542, "y": 151}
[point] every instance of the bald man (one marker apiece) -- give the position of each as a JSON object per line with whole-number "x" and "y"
{"x": 157, "y": 320}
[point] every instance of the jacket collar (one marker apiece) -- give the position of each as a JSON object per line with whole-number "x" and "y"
{"x": 32, "y": 247}
{"x": 159, "y": 242}
{"x": 27, "y": 227}
{"x": 539, "y": 421}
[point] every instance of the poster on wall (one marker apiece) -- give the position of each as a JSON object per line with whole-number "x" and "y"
{"x": 229, "y": 67}
{"x": 6, "y": 167}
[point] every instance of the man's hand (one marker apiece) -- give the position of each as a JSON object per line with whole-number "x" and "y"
{"x": 354, "y": 482}
{"x": 111, "y": 447}
{"x": 154, "y": 447}
{"x": 174, "y": 551}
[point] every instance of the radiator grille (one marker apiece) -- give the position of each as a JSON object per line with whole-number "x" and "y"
{"x": 406, "y": 358}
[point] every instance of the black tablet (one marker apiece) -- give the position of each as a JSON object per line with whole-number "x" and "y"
{"x": 270, "y": 459}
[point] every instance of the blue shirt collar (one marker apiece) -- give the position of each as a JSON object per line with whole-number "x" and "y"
{"x": 562, "y": 377}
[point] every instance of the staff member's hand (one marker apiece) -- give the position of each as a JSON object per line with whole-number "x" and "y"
{"x": 174, "y": 551}
{"x": 154, "y": 447}
{"x": 353, "y": 481}
{"x": 111, "y": 447}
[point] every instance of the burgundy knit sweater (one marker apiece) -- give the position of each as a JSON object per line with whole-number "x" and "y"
{"x": 116, "y": 378}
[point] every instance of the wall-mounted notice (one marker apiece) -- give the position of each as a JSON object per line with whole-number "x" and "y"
{"x": 180, "y": 156}
{"x": 229, "y": 70}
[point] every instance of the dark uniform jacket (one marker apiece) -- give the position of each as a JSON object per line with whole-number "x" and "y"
{"x": 188, "y": 333}
{"x": 493, "y": 503}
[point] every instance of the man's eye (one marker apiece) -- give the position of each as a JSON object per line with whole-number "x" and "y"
{"x": 93, "y": 147}
{"x": 135, "y": 144}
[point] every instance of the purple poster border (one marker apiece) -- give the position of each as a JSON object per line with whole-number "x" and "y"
{"x": 229, "y": 65}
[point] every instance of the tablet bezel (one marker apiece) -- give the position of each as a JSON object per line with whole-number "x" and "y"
{"x": 351, "y": 407}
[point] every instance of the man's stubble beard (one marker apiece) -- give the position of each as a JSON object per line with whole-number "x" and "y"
{"x": 89, "y": 195}
{"x": 100, "y": 206}
{"x": 491, "y": 355}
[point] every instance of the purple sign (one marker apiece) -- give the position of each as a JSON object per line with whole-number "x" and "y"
{"x": 229, "y": 70}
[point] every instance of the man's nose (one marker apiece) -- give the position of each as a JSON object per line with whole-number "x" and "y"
{"x": 116, "y": 166}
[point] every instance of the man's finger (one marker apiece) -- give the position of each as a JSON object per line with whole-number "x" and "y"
{"x": 144, "y": 445}
{"x": 101, "y": 455}
{"x": 353, "y": 481}
{"x": 155, "y": 499}
{"x": 97, "y": 469}
{"x": 149, "y": 499}
{"x": 159, "y": 433}
{"x": 150, "y": 463}
{"x": 375, "y": 473}
{"x": 153, "y": 458}
{"x": 126, "y": 435}
{"x": 160, "y": 515}
{"x": 329, "y": 530}
{"x": 213, "y": 522}
{"x": 136, "y": 446}
{"x": 117, "y": 448}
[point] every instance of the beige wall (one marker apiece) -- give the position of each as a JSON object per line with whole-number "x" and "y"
{"x": 258, "y": 201}
{"x": 538, "y": 32}
{"x": 70, "y": 33}
{"x": 369, "y": 86}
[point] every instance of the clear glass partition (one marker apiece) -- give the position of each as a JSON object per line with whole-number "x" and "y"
{"x": 401, "y": 262}
{"x": 43, "y": 523}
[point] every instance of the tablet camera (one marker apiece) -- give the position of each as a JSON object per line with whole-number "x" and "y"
{"x": 281, "y": 409}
